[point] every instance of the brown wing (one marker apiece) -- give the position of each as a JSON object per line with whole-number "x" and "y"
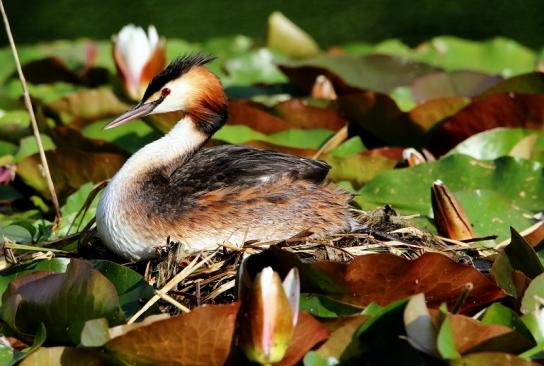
{"x": 228, "y": 166}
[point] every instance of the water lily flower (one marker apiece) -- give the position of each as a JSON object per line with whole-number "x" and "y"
{"x": 449, "y": 216}
{"x": 271, "y": 316}
{"x": 138, "y": 57}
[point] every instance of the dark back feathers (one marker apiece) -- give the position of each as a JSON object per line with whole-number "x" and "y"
{"x": 227, "y": 166}
{"x": 230, "y": 165}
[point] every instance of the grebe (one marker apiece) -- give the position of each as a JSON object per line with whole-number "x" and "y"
{"x": 205, "y": 197}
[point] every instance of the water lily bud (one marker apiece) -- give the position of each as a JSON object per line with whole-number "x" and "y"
{"x": 413, "y": 157}
{"x": 138, "y": 57}
{"x": 7, "y": 174}
{"x": 269, "y": 321}
{"x": 323, "y": 88}
{"x": 450, "y": 218}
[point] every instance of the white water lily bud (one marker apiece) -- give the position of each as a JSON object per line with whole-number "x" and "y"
{"x": 270, "y": 318}
{"x": 138, "y": 57}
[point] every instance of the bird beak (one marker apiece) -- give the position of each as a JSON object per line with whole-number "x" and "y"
{"x": 139, "y": 110}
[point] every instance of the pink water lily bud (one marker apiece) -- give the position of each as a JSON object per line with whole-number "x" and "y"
{"x": 138, "y": 57}
{"x": 450, "y": 218}
{"x": 271, "y": 315}
{"x": 7, "y": 174}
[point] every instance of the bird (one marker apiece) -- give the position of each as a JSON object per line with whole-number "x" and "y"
{"x": 202, "y": 197}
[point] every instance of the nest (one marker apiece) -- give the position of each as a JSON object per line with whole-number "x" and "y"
{"x": 210, "y": 277}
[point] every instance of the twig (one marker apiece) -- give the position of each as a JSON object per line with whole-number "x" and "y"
{"x": 174, "y": 302}
{"x": 193, "y": 266}
{"x": 28, "y": 103}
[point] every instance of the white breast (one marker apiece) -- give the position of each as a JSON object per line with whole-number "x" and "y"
{"x": 114, "y": 216}
{"x": 115, "y": 227}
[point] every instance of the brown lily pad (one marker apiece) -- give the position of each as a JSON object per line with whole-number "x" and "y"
{"x": 202, "y": 337}
{"x": 308, "y": 333}
{"x": 70, "y": 169}
{"x": 384, "y": 278}
{"x": 503, "y": 110}
{"x": 470, "y": 335}
{"x": 301, "y": 115}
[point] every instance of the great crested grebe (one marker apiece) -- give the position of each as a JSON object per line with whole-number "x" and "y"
{"x": 206, "y": 197}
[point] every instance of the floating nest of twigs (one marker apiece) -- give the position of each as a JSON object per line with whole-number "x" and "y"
{"x": 209, "y": 277}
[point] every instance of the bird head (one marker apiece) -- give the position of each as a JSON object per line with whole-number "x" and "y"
{"x": 185, "y": 85}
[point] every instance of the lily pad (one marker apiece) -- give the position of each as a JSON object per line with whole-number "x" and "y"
{"x": 29, "y": 147}
{"x": 70, "y": 169}
{"x": 493, "y": 193}
{"x": 286, "y": 37}
{"x": 45, "y": 265}
{"x": 531, "y": 83}
{"x": 131, "y": 287}
{"x": 495, "y": 56}
{"x": 460, "y": 83}
{"x": 503, "y": 110}
{"x": 69, "y": 211}
{"x": 380, "y": 73}
{"x": 498, "y": 142}
{"x": 62, "y": 301}
{"x": 309, "y": 139}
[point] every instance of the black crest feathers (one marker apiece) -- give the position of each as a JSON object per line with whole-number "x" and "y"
{"x": 175, "y": 69}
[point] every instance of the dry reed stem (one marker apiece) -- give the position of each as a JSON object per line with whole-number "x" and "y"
{"x": 191, "y": 268}
{"x": 340, "y": 136}
{"x": 28, "y": 103}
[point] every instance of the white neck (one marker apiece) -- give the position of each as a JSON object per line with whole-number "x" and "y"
{"x": 165, "y": 153}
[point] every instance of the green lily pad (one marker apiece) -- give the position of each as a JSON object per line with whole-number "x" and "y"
{"x": 73, "y": 53}
{"x": 14, "y": 125}
{"x": 7, "y": 148}
{"x": 286, "y": 37}
{"x": 325, "y": 307}
{"x": 445, "y": 341}
{"x": 226, "y": 47}
{"x": 389, "y": 47}
{"x": 494, "y": 194}
{"x": 130, "y": 137}
{"x": 61, "y": 301}
{"x": 256, "y": 66}
{"x": 44, "y": 92}
{"x": 374, "y": 340}
{"x": 357, "y": 169}
{"x": 308, "y": 139}
{"x": 531, "y": 299}
{"x": 131, "y": 287}
{"x": 500, "y": 314}
{"x": 16, "y": 233}
{"x": 495, "y": 56}
{"x": 498, "y": 142}
{"x": 74, "y": 203}
{"x": 349, "y": 147}
{"x": 29, "y": 147}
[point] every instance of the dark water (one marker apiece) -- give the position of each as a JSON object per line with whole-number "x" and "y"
{"x": 329, "y": 21}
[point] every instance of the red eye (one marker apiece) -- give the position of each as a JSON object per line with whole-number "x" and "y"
{"x": 165, "y": 92}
